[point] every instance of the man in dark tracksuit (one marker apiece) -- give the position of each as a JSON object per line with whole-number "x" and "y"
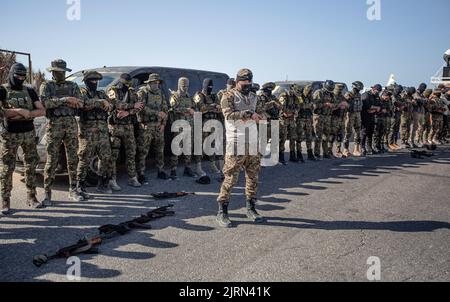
{"x": 370, "y": 100}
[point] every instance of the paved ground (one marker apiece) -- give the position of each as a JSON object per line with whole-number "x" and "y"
{"x": 324, "y": 221}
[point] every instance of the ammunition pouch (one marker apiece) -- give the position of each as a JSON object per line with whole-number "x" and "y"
{"x": 18, "y": 126}
{"x": 94, "y": 115}
{"x": 63, "y": 111}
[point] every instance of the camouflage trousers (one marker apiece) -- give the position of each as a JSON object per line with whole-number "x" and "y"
{"x": 123, "y": 135}
{"x": 9, "y": 143}
{"x": 437, "y": 124}
{"x": 305, "y": 133}
{"x": 425, "y": 129}
{"x": 187, "y": 157}
{"x": 94, "y": 141}
{"x": 337, "y": 132}
{"x": 150, "y": 136}
{"x": 61, "y": 131}
{"x": 394, "y": 129}
{"x": 418, "y": 121}
{"x": 288, "y": 132}
{"x": 322, "y": 126}
{"x": 352, "y": 125}
{"x": 406, "y": 120}
{"x": 233, "y": 165}
{"x": 381, "y": 132}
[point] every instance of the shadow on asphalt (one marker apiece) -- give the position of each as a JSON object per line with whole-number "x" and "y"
{"x": 39, "y": 231}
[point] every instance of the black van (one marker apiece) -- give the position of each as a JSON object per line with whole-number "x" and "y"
{"x": 169, "y": 75}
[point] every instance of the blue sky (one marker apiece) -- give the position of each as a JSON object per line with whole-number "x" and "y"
{"x": 299, "y": 40}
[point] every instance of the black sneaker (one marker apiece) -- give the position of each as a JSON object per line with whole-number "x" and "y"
{"x": 173, "y": 174}
{"x": 142, "y": 179}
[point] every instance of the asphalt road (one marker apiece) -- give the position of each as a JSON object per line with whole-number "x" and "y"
{"x": 324, "y": 220}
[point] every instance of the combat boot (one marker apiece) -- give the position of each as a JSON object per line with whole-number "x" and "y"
{"x": 162, "y": 175}
{"x": 142, "y": 179}
{"x": 199, "y": 170}
{"x": 357, "y": 151}
{"x": 47, "y": 201}
{"x": 300, "y": 157}
{"x": 252, "y": 214}
{"x": 82, "y": 190}
{"x": 293, "y": 157}
{"x": 282, "y": 159}
{"x": 33, "y": 202}
{"x": 173, "y": 174}
{"x": 339, "y": 154}
{"x": 222, "y": 217}
{"x": 6, "y": 210}
{"x": 114, "y": 186}
{"x": 311, "y": 156}
{"x": 188, "y": 172}
{"x": 213, "y": 167}
{"x": 133, "y": 182}
{"x": 346, "y": 153}
{"x": 103, "y": 186}
{"x": 74, "y": 195}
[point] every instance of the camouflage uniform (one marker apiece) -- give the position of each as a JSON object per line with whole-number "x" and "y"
{"x": 180, "y": 105}
{"x": 436, "y": 107}
{"x": 353, "y": 121}
{"x": 418, "y": 117}
{"x": 305, "y": 131}
{"x": 15, "y": 134}
{"x": 94, "y": 137}
{"x": 268, "y": 106}
{"x": 150, "y": 124}
{"x": 288, "y": 127}
{"x": 235, "y": 107}
{"x": 381, "y": 124}
{"x": 406, "y": 118}
{"x": 62, "y": 127}
{"x": 397, "y": 107}
{"x": 322, "y": 121}
{"x": 338, "y": 120}
{"x": 209, "y": 106}
{"x": 122, "y": 131}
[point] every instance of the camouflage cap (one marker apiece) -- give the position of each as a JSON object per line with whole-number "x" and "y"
{"x": 154, "y": 77}
{"x": 244, "y": 75}
{"x": 92, "y": 75}
{"x": 269, "y": 86}
{"x": 59, "y": 65}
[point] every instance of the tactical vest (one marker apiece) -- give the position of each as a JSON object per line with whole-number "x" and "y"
{"x": 182, "y": 103}
{"x": 290, "y": 105}
{"x": 18, "y": 99}
{"x": 325, "y": 97}
{"x": 306, "y": 108}
{"x": 154, "y": 102}
{"x": 272, "y": 111}
{"x": 208, "y": 100}
{"x": 437, "y": 104}
{"x": 356, "y": 104}
{"x": 120, "y": 96}
{"x": 96, "y": 114}
{"x": 337, "y": 100}
{"x": 61, "y": 91}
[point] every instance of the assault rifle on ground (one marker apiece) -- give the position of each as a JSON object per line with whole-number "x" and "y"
{"x": 89, "y": 245}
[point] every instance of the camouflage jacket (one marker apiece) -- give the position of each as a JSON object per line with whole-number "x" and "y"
{"x": 323, "y": 100}
{"x": 208, "y": 105}
{"x": 269, "y": 107}
{"x": 354, "y": 101}
{"x": 290, "y": 104}
{"x": 93, "y": 106}
{"x": 155, "y": 103}
{"x": 122, "y": 101}
{"x": 180, "y": 106}
{"x": 54, "y": 96}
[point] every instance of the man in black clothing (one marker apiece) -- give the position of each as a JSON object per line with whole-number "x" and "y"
{"x": 371, "y": 105}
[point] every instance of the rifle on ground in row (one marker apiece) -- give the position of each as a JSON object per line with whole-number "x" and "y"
{"x": 167, "y": 195}
{"x": 89, "y": 245}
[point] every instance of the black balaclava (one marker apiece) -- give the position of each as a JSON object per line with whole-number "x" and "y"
{"x": 422, "y": 87}
{"x": 207, "y": 86}
{"x": 17, "y": 70}
{"x": 92, "y": 85}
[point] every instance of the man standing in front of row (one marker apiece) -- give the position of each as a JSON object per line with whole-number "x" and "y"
{"x": 239, "y": 109}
